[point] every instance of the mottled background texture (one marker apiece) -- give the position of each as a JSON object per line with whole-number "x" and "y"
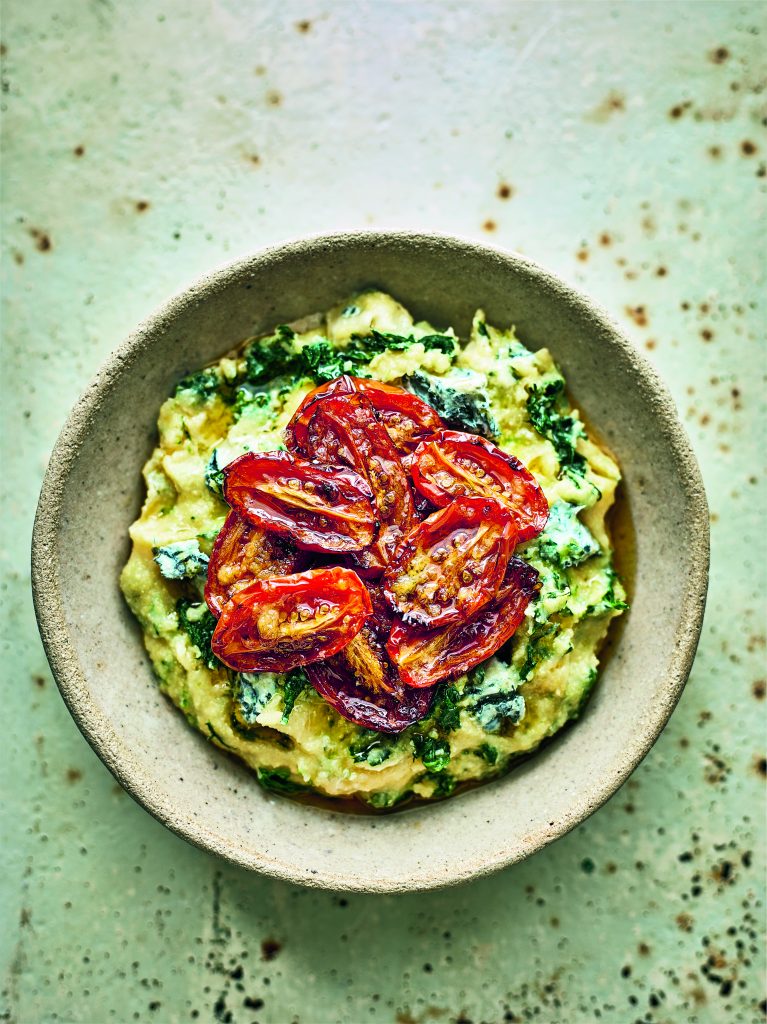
{"x": 621, "y": 144}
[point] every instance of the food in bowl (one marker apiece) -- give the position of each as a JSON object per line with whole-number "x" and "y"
{"x": 373, "y": 560}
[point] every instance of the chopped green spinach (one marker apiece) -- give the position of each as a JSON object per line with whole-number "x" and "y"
{"x": 444, "y": 783}
{"x": 460, "y": 410}
{"x": 609, "y": 601}
{"x": 323, "y": 361}
{"x": 544, "y": 405}
{"x": 275, "y": 356}
{"x": 296, "y": 682}
{"x": 447, "y": 713}
{"x": 487, "y": 752}
{"x": 214, "y": 474}
{"x": 566, "y": 541}
{"x": 198, "y": 623}
{"x": 434, "y": 753}
{"x": 370, "y": 747}
{"x": 278, "y": 780}
{"x": 202, "y": 385}
{"x": 537, "y": 647}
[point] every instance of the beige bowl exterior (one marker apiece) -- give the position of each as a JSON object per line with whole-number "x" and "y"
{"x": 93, "y": 491}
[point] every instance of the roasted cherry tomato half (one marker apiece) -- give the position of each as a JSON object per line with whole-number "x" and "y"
{"x": 243, "y": 553}
{"x": 452, "y": 463}
{"x": 278, "y": 624}
{"x": 407, "y": 419}
{"x": 297, "y": 431}
{"x": 452, "y": 563}
{"x": 363, "y": 686}
{"x": 344, "y": 428}
{"x": 322, "y": 509}
{"x": 424, "y": 657}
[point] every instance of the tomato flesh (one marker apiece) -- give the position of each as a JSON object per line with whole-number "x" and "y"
{"x": 451, "y": 564}
{"x": 243, "y": 553}
{"x": 277, "y": 624}
{"x": 363, "y": 686}
{"x": 344, "y": 428}
{"x": 452, "y": 463}
{"x": 321, "y": 509}
{"x": 424, "y": 657}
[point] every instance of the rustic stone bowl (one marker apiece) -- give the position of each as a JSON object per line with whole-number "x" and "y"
{"x": 93, "y": 491}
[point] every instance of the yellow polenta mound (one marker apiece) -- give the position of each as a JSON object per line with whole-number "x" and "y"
{"x": 278, "y": 724}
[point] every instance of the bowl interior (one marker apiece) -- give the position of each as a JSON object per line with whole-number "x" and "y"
{"x": 93, "y": 491}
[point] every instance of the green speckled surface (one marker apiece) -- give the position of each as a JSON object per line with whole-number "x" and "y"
{"x": 624, "y": 146}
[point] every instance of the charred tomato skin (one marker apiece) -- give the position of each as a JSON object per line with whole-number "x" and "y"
{"x": 425, "y": 657}
{"x": 451, "y": 564}
{"x": 243, "y": 553}
{"x": 452, "y": 463}
{"x": 389, "y": 708}
{"x": 319, "y": 508}
{"x": 284, "y": 622}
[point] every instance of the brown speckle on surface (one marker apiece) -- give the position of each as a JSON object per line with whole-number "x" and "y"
{"x": 661, "y": 272}
{"x": 643, "y": 949}
{"x": 254, "y": 158}
{"x": 259, "y": 70}
{"x": 678, "y": 109}
{"x": 270, "y": 949}
{"x": 3, "y": 49}
{"x": 582, "y": 255}
{"x": 715, "y": 769}
{"x": 759, "y": 689}
{"x": 747, "y": 147}
{"x": 715, "y": 152}
{"x": 504, "y": 191}
{"x": 489, "y": 225}
{"x": 650, "y": 344}
{"x": 719, "y": 55}
{"x": 274, "y": 98}
{"x": 613, "y": 103}
{"x": 760, "y": 766}
{"x": 638, "y": 314}
{"x": 18, "y": 257}
{"x": 303, "y": 26}
{"x": 605, "y": 238}
{"x": 73, "y": 775}
{"x": 707, "y": 334}
{"x": 42, "y": 239}
{"x": 39, "y": 681}
{"x": 142, "y": 206}
{"x": 685, "y": 922}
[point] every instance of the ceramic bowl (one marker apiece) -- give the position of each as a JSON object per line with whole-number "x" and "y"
{"x": 93, "y": 491}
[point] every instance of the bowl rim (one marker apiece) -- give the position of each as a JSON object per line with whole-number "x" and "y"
{"x": 96, "y": 727}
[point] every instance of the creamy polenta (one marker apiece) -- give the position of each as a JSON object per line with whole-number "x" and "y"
{"x": 278, "y": 724}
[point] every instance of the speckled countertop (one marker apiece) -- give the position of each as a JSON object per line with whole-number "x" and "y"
{"x": 624, "y": 146}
